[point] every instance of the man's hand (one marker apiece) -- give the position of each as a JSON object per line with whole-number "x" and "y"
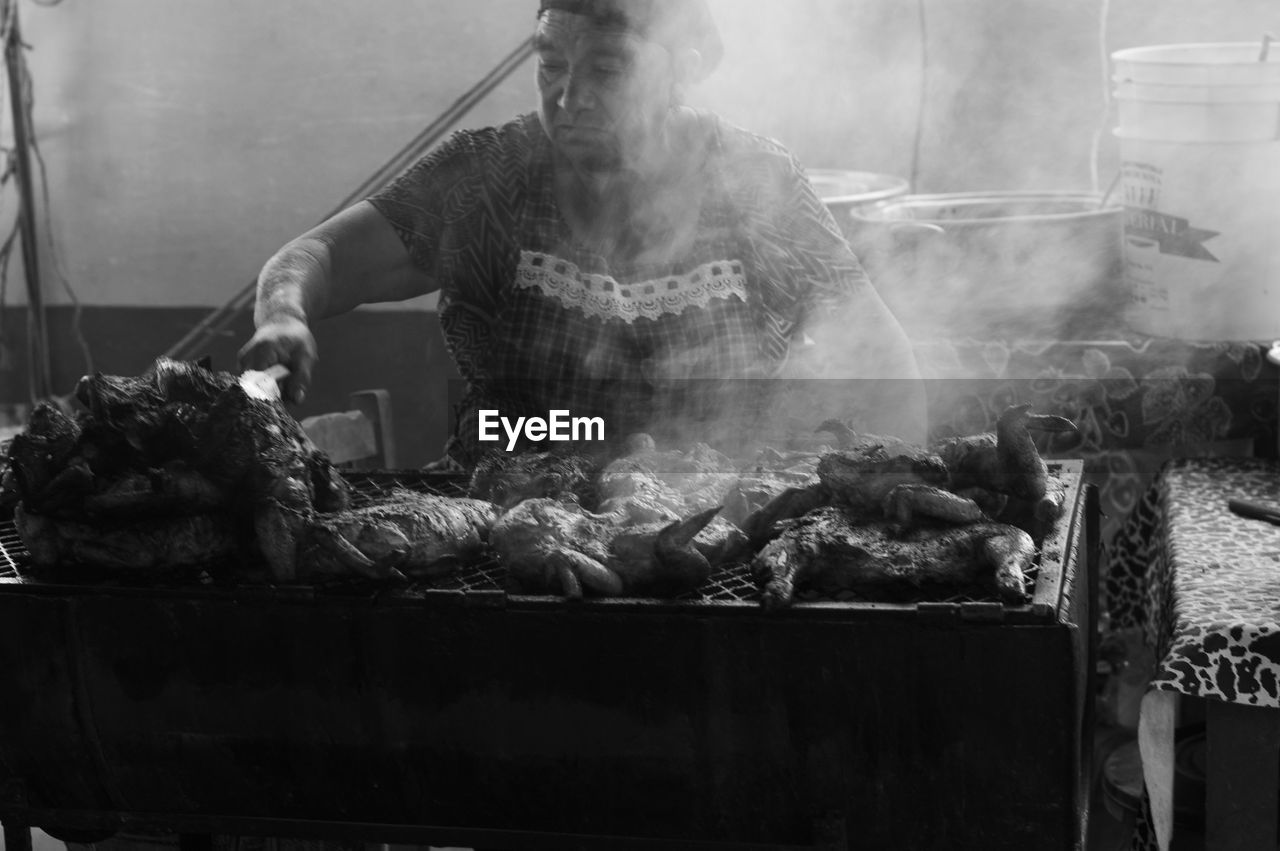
{"x": 286, "y": 341}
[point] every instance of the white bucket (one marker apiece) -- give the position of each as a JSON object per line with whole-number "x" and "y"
{"x": 1221, "y": 64}
{"x": 1199, "y": 121}
{"x": 1202, "y": 238}
{"x": 1199, "y": 113}
{"x": 1196, "y": 93}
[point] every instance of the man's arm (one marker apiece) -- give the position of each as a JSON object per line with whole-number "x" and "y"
{"x": 356, "y": 257}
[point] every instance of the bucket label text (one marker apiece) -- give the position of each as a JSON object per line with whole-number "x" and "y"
{"x": 1174, "y": 235}
{"x": 1143, "y": 185}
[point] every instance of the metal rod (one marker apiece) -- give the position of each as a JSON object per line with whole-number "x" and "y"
{"x": 38, "y": 334}
{"x": 222, "y": 317}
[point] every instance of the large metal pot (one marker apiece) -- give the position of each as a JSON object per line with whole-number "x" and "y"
{"x": 1008, "y": 264}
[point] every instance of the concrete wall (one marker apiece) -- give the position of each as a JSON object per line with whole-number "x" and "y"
{"x": 187, "y": 139}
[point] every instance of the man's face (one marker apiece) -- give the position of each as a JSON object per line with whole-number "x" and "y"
{"x": 604, "y": 92}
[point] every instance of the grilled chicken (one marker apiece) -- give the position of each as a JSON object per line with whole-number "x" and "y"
{"x": 835, "y": 548}
{"x": 556, "y": 546}
{"x": 678, "y": 481}
{"x": 403, "y": 533}
{"x": 506, "y": 479}
{"x": 872, "y": 477}
{"x": 770, "y": 475}
{"x": 1007, "y": 462}
{"x": 960, "y": 480}
{"x": 647, "y": 486}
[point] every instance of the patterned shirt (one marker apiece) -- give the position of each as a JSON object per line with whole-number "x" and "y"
{"x": 536, "y": 320}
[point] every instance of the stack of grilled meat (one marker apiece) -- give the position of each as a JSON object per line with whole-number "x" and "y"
{"x": 183, "y": 466}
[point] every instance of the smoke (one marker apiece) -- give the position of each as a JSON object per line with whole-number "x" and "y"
{"x": 997, "y": 98}
{"x": 972, "y": 96}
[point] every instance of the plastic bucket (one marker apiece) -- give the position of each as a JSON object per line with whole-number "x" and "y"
{"x": 1201, "y": 256}
{"x": 1191, "y": 121}
{"x": 1196, "y": 93}
{"x": 1199, "y": 113}
{"x": 1229, "y": 63}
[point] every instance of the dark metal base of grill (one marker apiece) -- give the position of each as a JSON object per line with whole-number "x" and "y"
{"x": 467, "y": 715}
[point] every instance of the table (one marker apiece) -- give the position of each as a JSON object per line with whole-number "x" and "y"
{"x": 1204, "y": 584}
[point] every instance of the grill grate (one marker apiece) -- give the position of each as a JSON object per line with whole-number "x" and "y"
{"x": 728, "y": 584}
{"x": 12, "y": 553}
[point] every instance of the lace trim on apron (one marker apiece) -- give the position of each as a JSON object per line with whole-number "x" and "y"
{"x": 602, "y": 297}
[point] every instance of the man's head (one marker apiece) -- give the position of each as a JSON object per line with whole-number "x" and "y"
{"x": 610, "y": 70}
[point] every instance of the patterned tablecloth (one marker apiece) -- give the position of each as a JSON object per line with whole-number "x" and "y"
{"x": 1138, "y": 402}
{"x": 1204, "y": 585}
{"x": 1203, "y": 582}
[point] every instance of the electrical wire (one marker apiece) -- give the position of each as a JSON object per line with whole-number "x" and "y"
{"x": 6, "y": 252}
{"x": 922, "y": 95}
{"x": 77, "y": 309}
{"x": 27, "y": 108}
{"x": 1100, "y": 131}
{"x": 7, "y": 13}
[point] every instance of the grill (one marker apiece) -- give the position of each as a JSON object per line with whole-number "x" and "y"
{"x": 461, "y": 714}
{"x": 728, "y": 585}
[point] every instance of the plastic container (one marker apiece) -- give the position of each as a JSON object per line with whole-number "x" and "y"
{"x": 1199, "y": 112}
{"x": 1213, "y": 64}
{"x": 1196, "y": 93}
{"x": 1199, "y": 130}
{"x": 1199, "y": 120}
{"x": 1201, "y": 257}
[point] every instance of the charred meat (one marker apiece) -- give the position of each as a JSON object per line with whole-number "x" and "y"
{"x": 160, "y": 544}
{"x": 37, "y": 471}
{"x": 506, "y": 479}
{"x": 862, "y": 477}
{"x": 680, "y": 481}
{"x": 833, "y": 548}
{"x": 553, "y": 546}
{"x": 648, "y": 486}
{"x": 404, "y": 533}
{"x": 1007, "y": 463}
{"x": 556, "y": 546}
{"x": 887, "y": 512}
{"x": 148, "y": 452}
{"x": 770, "y": 475}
